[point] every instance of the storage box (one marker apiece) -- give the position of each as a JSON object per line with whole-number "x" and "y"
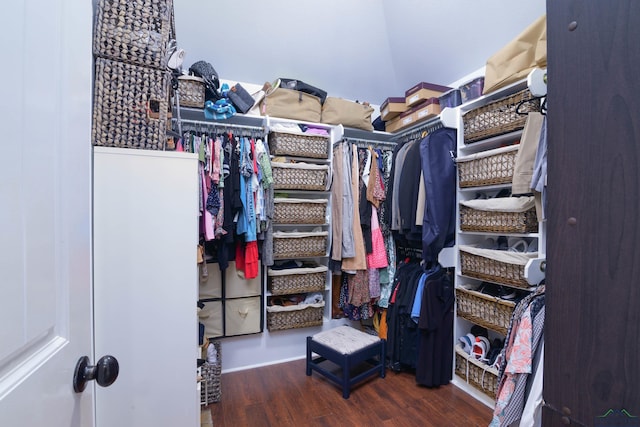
{"x": 472, "y": 89}
{"x": 293, "y": 144}
{"x": 300, "y": 176}
{"x": 423, "y": 91}
{"x": 294, "y": 316}
{"x": 236, "y": 286}
{"x": 297, "y": 280}
{"x": 484, "y": 310}
{"x": 503, "y": 267}
{"x": 392, "y": 108}
{"x": 299, "y": 211}
{"x": 426, "y": 110}
{"x": 476, "y": 373}
{"x": 490, "y": 167}
{"x": 211, "y": 318}
{"x": 450, "y": 99}
{"x": 134, "y": 31}
{"x": 242, "y": 316}
{"x": 405, "y": 120}
{"x": 191, "y": 91}
{"x": 291, "y": 244}
{"x": 130, "y": 105}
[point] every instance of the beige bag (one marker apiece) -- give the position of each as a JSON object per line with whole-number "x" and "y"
{"x": 516, "y": 60}
{"x": 348, "y": 113}
{"x": 291, "y": 104}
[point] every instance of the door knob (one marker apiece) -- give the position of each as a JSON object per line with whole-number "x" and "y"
{"x": 104, "y": 372}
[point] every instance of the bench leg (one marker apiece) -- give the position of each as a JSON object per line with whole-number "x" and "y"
{"x": 346, "y": 377}
{"x": 309, "y": 361}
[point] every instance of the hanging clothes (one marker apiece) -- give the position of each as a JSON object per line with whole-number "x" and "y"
{"x": 358, "y": 262}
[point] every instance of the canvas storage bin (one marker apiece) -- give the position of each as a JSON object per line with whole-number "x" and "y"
{"x": 351, "y": 114}
{"x": 242, "y": 316}
{"x": 300, "y": 176}
{"x": 294, "y": 316}
{"x": 502, "y": 116}
{"x": 476, "y": 373}
{"x": 236, "y": 286}
{"x": 130, "y": 106}
{"x": 495, "y": 266}
{"x": 191, "y": 90}
{"x": 299, "y": 211}
{"x": 211, "y": 372}
{"x": 134, "y": 31}
{"x": 489, "y": 167}
{"x": 297, "y": 280}
{"x": 499, "y": 215}
{"x": 294, "y": 144}
{"x": 484, "y": 310}
{"x": 211, "y": 317}
{"x": 211, "y": 287}
{"x": 293, "y": 244}
{"x": 291, "y": 104}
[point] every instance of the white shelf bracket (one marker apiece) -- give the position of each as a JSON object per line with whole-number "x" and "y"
{"x": 534, "y": 271}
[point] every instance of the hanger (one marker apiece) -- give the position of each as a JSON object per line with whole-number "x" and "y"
{"x": 543, "y": 105}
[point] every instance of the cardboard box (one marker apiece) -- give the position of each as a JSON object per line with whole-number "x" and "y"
{"x": 392, "y": 108}
{"x": 423, "y": 91}
{"x": 404, "y": 120}
{"x": 426, "y": 110}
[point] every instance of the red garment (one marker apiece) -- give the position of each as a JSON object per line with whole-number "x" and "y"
{"x": 251, "y": 260}
{"x": 240, "y": 262}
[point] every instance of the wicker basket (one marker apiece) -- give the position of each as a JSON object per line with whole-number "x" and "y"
{"x": 498, "y": 222}
{"x": 484, "y": 310}
{"x": 297, "y": 280}
{"x": 299, "y": 245}
{"x": 289, "y": 144}
{"x": 134, "y": 31}
{"x": 299, "y": 176}
{"x": 126, "y": 100}
{"x": 299, "y": 211}
{"x": 499, "y": 117}
{"x": 210, "y": 390}
{"x": 297, "y": 316}
{"x": 191, "y": 90}
{"x": 476, "y": 373}
{"x": 487, "y": 168}
{"x": 481, "y": 264}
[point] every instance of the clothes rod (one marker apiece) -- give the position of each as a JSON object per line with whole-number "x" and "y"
{"x": 371, "y": 142}
{"x": 220, "y": 125}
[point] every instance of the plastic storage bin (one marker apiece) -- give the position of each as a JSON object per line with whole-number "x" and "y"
{"x": 472, "y": 90}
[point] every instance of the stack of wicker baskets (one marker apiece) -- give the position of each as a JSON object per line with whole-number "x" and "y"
{"x": 132, "y": 83}
{"x": 210, "y": 390}
{"x": 476, "y": 373}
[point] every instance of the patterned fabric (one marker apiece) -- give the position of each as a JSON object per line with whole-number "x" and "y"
{"x": 378, "y": 257}
{"x": 359, "y": 288}
{"x": 374, "y": 283}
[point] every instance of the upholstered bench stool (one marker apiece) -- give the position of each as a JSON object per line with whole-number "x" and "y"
{"x": 347, "y": 347}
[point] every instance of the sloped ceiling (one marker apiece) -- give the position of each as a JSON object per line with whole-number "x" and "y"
{"x": 363, "y": 50}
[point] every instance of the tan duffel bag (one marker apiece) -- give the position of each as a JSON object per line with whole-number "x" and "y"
{"x": 348, "y": 113}
{"x": 291, "y": 104}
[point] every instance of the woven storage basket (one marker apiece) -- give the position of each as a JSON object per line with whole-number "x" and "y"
{"x": 487, "y": 168}
{"x": 299, "y": 176}
{"x": 210, "y": 390}
{"x": 134, "y": 31}
{"x": 299, "y": 245}
{"x": 299, "y": 211}
{"x": 124, "y": 97}
{"x": 191, "y": 90}
{"x": 499, "y": 117}
{"x": 289, "y": 144}
{"x": 484, "y": 310}
{"x": 297, "y": 316}
{"x": 481, "y": 264}
{"x": 476, "y": 373}
{"x": 297, "y": 280}
{"x": 499, "y": 215}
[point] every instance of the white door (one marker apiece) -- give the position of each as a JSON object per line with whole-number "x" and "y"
{"x": 45, "y": 217}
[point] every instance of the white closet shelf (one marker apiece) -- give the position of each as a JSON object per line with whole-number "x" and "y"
{"x": 493, "y": 233}
{"x": 490, "y": 143}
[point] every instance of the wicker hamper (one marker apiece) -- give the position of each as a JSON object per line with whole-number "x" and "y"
{"x": 495, "y": 266}
{"x": 299, "y": 211}
{"x": 290, "y": 144}
{"x": 134, "y": 31}
{"x": 297, "y": 280}
{"x": 210, "y": 390}
{"x": 499, "y": 117}
{"x": 484, "y": 310}
{"x": 476, "y": 373}
{"x": 290, "y": 244}
{"x": 487, "y": 168}
{"x": 500, "y": 215}
{"x": 130, "y": 106}
{"x": 300, "y": 176}
{"x": 191, "y": 90}
{"x": 294, "y": 316}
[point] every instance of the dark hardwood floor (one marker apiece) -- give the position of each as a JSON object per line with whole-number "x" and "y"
{"x": 282, "y": 395}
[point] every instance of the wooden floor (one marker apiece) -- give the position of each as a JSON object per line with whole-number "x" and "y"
{"x": 282, "y": 395}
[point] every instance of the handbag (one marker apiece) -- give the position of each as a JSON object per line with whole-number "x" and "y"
{"x": 291, "y": 104}
{"x": 303, "y": 87}
{"x": 241, "y": 99}
{"x": 348, "y": 113}
{"x": 210, "y": 76}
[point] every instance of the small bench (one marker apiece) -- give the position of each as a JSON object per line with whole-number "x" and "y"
{"x": 347, "y": 347}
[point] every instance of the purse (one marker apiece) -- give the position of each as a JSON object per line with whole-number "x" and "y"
{"x": 348, "y": 113}
{"x": 241, "y": 99}
{"x": 291, "y": 104}
{"x": 303, "y": 87}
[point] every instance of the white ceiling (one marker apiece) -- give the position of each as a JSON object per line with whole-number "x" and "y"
{"x": 364, "y": 50}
